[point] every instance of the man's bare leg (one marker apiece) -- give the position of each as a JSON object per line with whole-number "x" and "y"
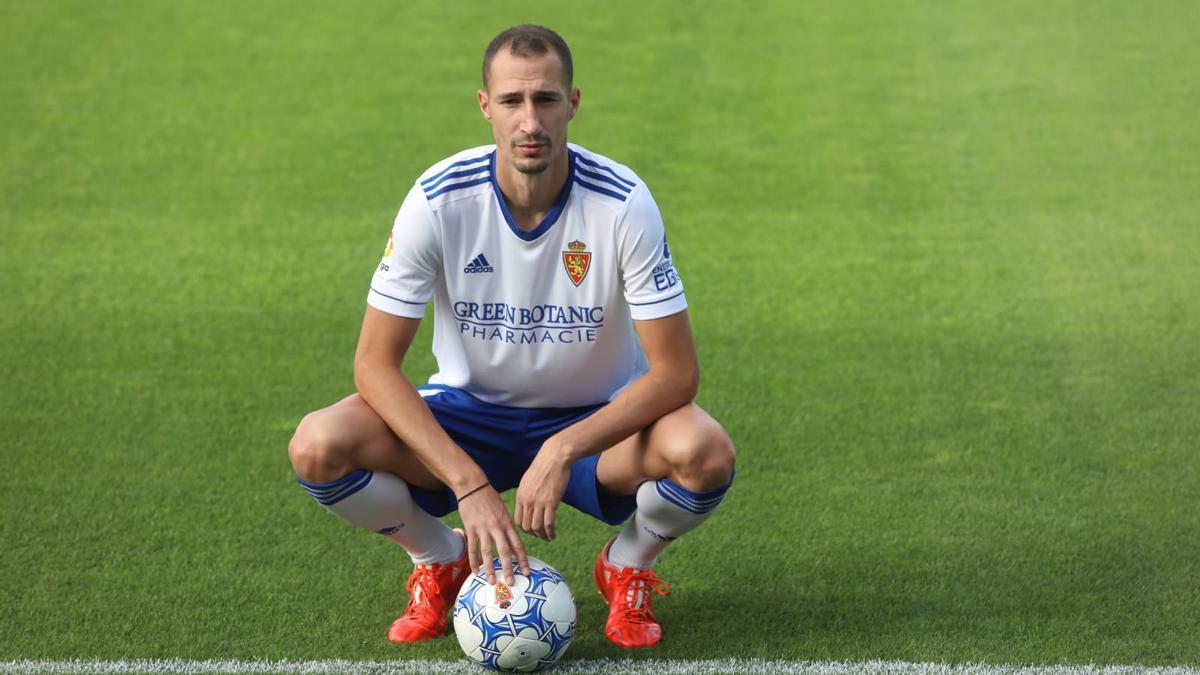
{"x": 348, "y": 435}
{"x": 348, "y": 459}
{"x": 352, "y": 463}
{"x": 679, "y": 468}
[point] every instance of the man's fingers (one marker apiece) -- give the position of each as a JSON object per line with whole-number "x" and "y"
{"x": 485, "y": 552}
{"x": 519, "y": 550}
{"x": 525, "y": 519}
{"x": 518, "y": 514}
{"x": 506, "y": 558}
{"x": 548, "y": 522}
{"x": 472, "y": 551}
{"x": 535, "y": 523}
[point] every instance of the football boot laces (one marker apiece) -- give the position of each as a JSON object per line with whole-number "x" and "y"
{"x": 423, "y": 588}
{"x": 633, "y": 588}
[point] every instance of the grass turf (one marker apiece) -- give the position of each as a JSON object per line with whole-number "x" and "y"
{"x": 941, "y": 261}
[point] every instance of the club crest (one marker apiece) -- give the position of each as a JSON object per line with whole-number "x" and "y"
{"x": 503, "y": 595}
{"x": 577, "y": 261}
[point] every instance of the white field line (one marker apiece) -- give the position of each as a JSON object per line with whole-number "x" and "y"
{"x": 573, "y": 667}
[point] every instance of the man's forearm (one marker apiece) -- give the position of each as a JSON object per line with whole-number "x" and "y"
{"x": 393, "y": 397}
{"x": 637, "y": 407}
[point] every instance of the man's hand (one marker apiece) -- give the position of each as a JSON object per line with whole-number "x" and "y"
{"x": 487, "y": 523}
{"x": 541, "y": 490}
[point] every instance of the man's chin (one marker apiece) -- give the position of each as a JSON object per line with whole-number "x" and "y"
{"x": 531, "y": 166}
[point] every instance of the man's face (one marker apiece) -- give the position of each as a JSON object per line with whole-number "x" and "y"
{"x": 529, "y": 106}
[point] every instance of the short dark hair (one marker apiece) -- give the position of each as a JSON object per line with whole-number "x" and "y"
{"x": 529, "y": 40}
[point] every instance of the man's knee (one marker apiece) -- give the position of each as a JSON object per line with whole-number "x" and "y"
{"x": 317, "y": 453}
{"x": 702, "y": 459}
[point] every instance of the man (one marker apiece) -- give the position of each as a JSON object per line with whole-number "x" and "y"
{"x": 566, "y": 363}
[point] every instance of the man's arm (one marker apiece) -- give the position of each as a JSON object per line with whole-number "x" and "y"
{"x": 382, "y": 344}
{"x": 670, "y": 383}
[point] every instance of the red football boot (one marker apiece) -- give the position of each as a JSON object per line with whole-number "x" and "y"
{"x": 432, "y": 589}
{"x": 630, "y": 622}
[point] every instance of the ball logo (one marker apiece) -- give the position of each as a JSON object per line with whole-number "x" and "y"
{"x": 503, "y": 595}
{"x": 523, "y": 627}
{"x": 577, "y": 260}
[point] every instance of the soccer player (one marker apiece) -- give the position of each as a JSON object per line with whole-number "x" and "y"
{"x": 566, "y": 365}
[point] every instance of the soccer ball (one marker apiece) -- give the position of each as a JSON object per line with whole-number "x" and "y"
{"x": 523, "y": 627}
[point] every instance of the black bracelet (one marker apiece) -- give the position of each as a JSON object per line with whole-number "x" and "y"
{"x": 471, "y": 492}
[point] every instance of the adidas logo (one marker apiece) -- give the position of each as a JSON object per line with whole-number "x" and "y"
{"x": 479, "y": 265}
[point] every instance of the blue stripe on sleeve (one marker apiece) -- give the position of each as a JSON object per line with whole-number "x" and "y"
{"x": 452, "y": 176}
{"x": 596, "y": 188}
{"x": 392, "y": 297}
{"x": 464, "y": 162}
{"x": 597, "y": 165}
{"x": 592, "y": 175}
{"x": 458, "y": 186}
{"x": 654, "y": 302}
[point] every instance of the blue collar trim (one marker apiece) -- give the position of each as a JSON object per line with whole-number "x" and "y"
{"x": 551, "y": 216}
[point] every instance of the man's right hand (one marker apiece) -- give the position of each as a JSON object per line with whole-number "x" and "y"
{"x": 384, "y": 340}
{"x": 487, "y": 523}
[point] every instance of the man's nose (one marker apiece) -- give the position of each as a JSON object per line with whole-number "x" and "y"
{"x": 530, "y": 124}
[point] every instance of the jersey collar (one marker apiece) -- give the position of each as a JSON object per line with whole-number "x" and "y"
{"x": 551, "y": 216}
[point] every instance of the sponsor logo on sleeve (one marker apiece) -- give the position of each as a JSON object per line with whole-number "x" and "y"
{"x": 665, "y": 276}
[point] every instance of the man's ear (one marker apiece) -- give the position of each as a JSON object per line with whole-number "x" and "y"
{"x": 573, "y": 98}
{"x": 482, "y": 97}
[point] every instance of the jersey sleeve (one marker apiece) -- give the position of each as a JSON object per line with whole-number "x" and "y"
{"x": 651, "y": 285}
{"x": 405, "y": 279}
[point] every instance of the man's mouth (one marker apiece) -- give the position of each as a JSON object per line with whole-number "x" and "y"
{"x": 530, "y": 148}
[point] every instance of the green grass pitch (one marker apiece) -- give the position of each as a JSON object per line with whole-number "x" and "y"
{"x": 943, "y": 262}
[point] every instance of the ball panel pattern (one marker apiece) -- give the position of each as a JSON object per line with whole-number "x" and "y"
{"x": 525, "y": 627}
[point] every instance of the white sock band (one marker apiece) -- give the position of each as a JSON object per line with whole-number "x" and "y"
{"x": 382, "y": 503}
{"x": 666, "y": 510}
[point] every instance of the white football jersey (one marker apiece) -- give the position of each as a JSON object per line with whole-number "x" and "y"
{"x": 531, "y": 319}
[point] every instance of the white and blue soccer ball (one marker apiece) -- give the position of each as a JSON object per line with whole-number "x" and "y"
{"x": 523, "y": 627}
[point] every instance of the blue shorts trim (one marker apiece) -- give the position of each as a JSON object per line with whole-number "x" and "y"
{"x": 504, "y": 440}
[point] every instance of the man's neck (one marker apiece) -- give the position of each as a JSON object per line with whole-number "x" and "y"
{"x": 530, "y": 196}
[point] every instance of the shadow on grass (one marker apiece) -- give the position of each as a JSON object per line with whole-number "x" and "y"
{"x": 954, "y": 609}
